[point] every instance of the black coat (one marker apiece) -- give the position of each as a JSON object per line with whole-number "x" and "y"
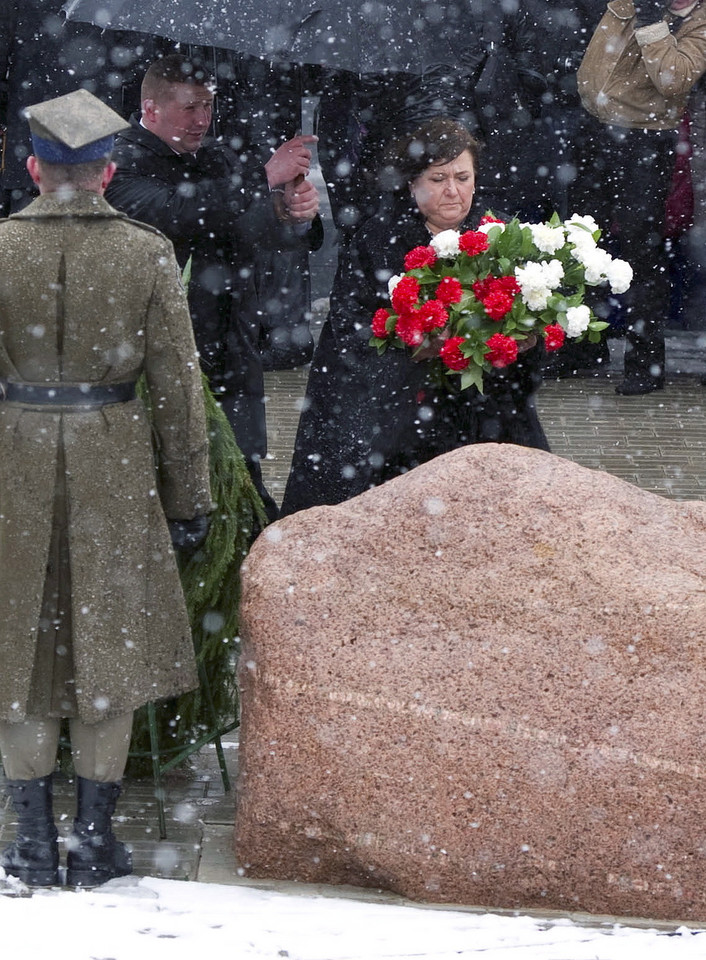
{"x": 217, "y": 213}
{"x": 562, "y": 33}
{"x": 370, "y": 417}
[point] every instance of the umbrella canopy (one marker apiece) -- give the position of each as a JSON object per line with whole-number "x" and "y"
{"x": 363, "y": 36}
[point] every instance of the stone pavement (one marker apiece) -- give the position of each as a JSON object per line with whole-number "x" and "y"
{"x": 657, "y": 442}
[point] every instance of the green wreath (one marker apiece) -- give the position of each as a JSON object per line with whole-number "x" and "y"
{"x": 211, "y": 584}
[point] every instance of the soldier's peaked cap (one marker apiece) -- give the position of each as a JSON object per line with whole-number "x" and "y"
{"x": 75, "y": 128}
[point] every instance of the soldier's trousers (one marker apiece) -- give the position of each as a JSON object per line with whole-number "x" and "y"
{"x": 99, "y": 750}
{"x": 29, "y": 748}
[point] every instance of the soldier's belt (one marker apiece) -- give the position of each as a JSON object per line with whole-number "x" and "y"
{"x": 66, "y": 394}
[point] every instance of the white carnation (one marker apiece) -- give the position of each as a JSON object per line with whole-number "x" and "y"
{"x": 530, "y": 275}
{"x": 581, "y": 224}
{"x": 583, "y": 248}
{"x": 582, "y": 243}
{"x": 553, "y": 273}
{"x": 445, "y": 244}
{"x": 487, "y": 227}
{"x": 577, "y": 319}
{"x": 533, "y": 284}
{"x": 597, "y": 264}
{"x": 547, "y": 239}
{"x": 619, "y": 275}
{"x": 594, "y": 260}
{"x": 392, "y": 283}
{"x": 536, "y": 298}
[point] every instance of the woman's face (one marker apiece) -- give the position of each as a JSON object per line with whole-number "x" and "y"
{"x": 444, "y": 192}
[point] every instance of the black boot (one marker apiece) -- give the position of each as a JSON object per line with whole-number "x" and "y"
{"x": 34, "y": 855}
{"x": 94, "y": 855}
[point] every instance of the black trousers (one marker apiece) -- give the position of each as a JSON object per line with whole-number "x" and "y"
{"x": 623, "y": 177}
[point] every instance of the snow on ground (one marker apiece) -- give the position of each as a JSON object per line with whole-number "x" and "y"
{"x": 132, "y": 919}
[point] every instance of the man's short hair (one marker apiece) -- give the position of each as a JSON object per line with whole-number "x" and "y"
{"x": 81, "y": 176}
{"x": 175, "y": 68}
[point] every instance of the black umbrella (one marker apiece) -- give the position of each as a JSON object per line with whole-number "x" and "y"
{"x": 362, "y": 36}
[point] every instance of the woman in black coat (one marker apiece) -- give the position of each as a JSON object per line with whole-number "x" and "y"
{"x": 370, "y": 417}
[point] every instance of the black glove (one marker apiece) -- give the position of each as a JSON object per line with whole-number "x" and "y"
{"x": 649, "y": 11}
{"x": 188, "y": 535}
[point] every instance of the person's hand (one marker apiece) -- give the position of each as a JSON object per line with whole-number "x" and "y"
{"x": 649, "y": 11}
{"x": 188, "y": 535}
{"x": 527, "y": 344}
{"x": 301, "y": 200}
{"x": 289, "y": 161}
{"x": 430, "y": 351}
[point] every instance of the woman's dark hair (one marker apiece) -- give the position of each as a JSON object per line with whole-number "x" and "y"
{"x": 440, "y": 140}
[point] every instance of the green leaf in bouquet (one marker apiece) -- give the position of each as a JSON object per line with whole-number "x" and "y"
{"x": 555, "y": 220}
{"x": 526, "y": 322}
{"x": 493, "y": 233}
{"x": 574, "y": 273}
{"x": 469, "y": 320}
{"x": 466, "y": 303}
{"x": 559, "y": 303}
{"x": 509, "y": 243}
{"x": 472, "y": 377}
{"x": 475, "y": 348}
{"x": 575, "y": 300}
{"x": 466, "y": 276}
{"x": 528, "y": 250}
{"x": 598, "y": 325}
{"x": 482, "y": 263}
{"x": 546, "y": 316}
{"x": 379, "y": 343}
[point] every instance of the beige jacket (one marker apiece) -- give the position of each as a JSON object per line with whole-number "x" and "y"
{"x": 87, "y": 296}
{"x": 642, "y": 77}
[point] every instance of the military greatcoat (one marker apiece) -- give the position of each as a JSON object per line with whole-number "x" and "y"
{"x": 88, "y": 297}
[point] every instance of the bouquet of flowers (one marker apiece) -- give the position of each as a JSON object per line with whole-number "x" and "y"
{"x": 483, "y": 293}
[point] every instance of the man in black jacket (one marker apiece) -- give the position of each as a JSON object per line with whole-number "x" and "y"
{"x": 219, "y": 212}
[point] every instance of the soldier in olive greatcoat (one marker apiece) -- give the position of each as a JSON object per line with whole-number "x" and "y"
{"x": 92, "y": 617}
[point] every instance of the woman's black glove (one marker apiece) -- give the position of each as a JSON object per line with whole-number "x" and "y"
{"x": 188, "y": 535}
{"x": 649, "y": 11}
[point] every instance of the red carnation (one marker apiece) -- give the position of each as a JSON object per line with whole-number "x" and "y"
{"x": 554, "y": 336}
{"x": 508, "y": 285}
{"x": 420, "y": 257}
{"x": 451, "y": 354}
{"x": 489, "y": 219}
{"x": 497, "y": 304}
{"x": 473, "y": 242}
{"x": 378, "y": 323}
{"x": 496, "y": 294}
{"x": 449, "y": 290}
{"x": 409, "y": 328}
{"x": 481, "y": 288}
{"x": 490, "y": 284}
{"x": 432, "y": 315}
{"x": 405, "y": 294}
{"x": 503, "y": 350}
